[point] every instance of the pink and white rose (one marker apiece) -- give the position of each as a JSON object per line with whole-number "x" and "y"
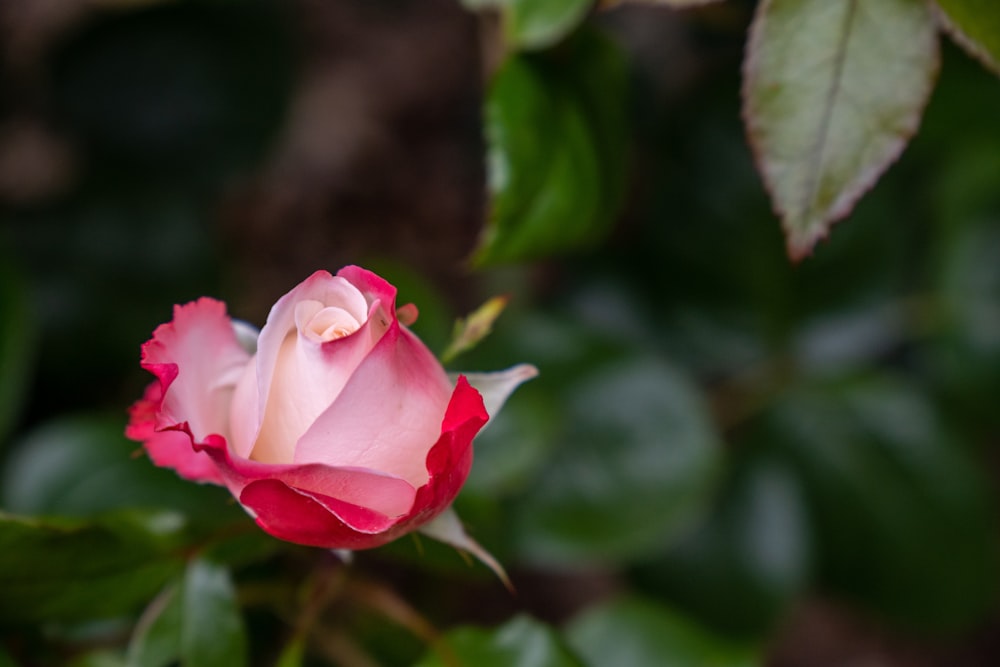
{"x": 336, "y": 428}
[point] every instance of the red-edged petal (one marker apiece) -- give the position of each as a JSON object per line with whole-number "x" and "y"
{"x": 381, "y": 493}
{"x": 389, "y": 414}
{"x": 196, "y": 358}
{"x": 312, "y": 519}
{"x": 450, "y": 459}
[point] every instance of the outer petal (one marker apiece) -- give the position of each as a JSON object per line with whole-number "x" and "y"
{"x": 293, "y": 513}
{"x": 197, "y": 360}
{"x": 169, "y": 448}
{"x": 497, "y": 387}
{"x": 380, "y": 493}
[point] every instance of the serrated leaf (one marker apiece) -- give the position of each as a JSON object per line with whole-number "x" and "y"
{"x": 832, "y": 92}
{"x": 556, "y": 134}
{"x": 521, "y": 641}
{"x": 633, "y": 631}
{"x": 975, "y": 26}
{"x": 67, "y": 570}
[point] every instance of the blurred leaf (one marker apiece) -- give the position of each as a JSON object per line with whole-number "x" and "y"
{"x": 212, "y": 632}
{"x": 556, "y": 133}
{"x": 474, "y": 327}
{"x": 676, "y": 4}
{"x": 156, "y": 640}
{"x": 195, "y": 622}
{"x": 97, "y": 659}
{"x": 832, "y": 93}
{"x": 631, "y": 632}
{"x": 17, "y": 338}
{"x": 511, "y": 451}
{"x": 521, "y": 641}
{"x": 83, "y": 465}
{"x": 292, "y": 653}
{"x": 537, "y": 24}
{"x": 903, "y": 516}
{"x": 739, "y": 569}
{"x": 67, "y": 569}
{"x": 636, "y": 459}
{"x": 975, "y": 26}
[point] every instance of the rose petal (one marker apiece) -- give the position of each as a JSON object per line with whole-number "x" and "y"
{"x": 389, "y": 414}
{"x": 168, "y": 449}
{"x": 304, "y": 519}
{"x": 497, "y": 387}
{"x": 387, "y": 495}
{"x": 197, "y": 360}
{"x": 290, "y": 382}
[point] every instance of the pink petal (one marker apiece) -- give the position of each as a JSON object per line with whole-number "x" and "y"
{"x": 291, "y": 380}
{"x": 384, "y": 494}
{"x": 389, "y": 414}
{"x": 306, "y": 519}
{"x": 197, "y": 359}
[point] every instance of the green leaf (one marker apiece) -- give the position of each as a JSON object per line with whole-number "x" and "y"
{"x": 81, "y": 465}
{"x": 523, "y": 642}
{"x": 537, "y": 24}
{"x": 740, "y": 568}
{"x": 68, "y": 570}
{"x": 832, "y": 92}
{"x": 637, "y": 458}
{"x": 556, "y": 134}
{"x": 195, "y": 621}
{"x": 635, "y": 632}
{"x": 902, "y": 514}
{"x": 212, "y": 632}
{"x": 156, "y": 640}
{"x": 975, "y": 26}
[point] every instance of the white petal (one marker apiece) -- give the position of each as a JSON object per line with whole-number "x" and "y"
{"x": 496, "y": 387}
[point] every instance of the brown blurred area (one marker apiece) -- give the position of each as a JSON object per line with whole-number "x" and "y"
{"x": 380, "y": 153}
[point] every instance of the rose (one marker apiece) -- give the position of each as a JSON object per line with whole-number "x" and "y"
{"x": 340, "y": 429}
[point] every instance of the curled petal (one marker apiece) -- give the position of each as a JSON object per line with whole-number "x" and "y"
{"x": 197, "y": 360}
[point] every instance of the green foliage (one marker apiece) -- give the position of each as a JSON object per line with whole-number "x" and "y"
{"x": 70, "y": 569}
{"x": 894, "y": 498}
{"x": 555, "y": 124}
{"x": 631, "y": 632}
{"x": 829, "y": 105}
{"x": 521, "y": 641}
{"x": 975, "y": 25}
{"x": 83, "y": 465}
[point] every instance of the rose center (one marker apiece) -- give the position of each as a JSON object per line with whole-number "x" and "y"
{"x": 324, "y": 323}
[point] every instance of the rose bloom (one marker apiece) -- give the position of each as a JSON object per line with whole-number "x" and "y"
{"x": 335, "y": 427}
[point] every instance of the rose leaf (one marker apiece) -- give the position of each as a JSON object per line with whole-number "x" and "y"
{"x": 832, "y": 92}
